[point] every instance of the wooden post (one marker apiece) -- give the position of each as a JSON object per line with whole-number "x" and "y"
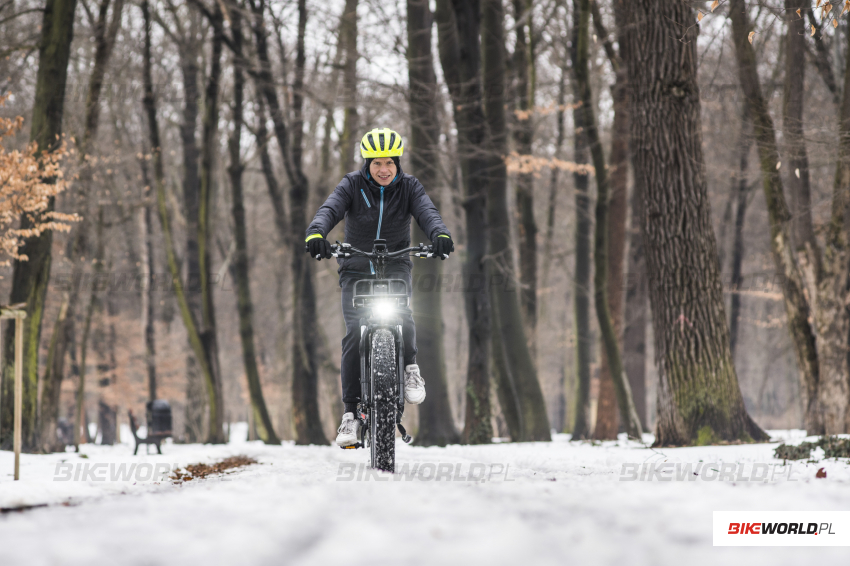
{"x": 17, "y": 312}
{"x": 19, "y": 389}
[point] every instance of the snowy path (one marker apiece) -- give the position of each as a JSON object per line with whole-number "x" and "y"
{"x": 565, "y": 504}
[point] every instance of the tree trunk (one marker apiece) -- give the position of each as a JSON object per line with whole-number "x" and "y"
{"x": 458, "y": 25}
{"x": 607, "y": 418}
{"x": 553, "y": 190}
{"x": 436, "y": 427}
{"x": 147, "y": 295}
{"x": 196, "y": 398}
{"x": 519, "y": 368}
{"x": 581, "y": 277}
{"x": 348, "y": 140}
{"x": 587, "y": 122}
{"x": 186, "y": 314}
{"x": 832, "y": 318}
{"x": 741, "y": 192}
{"x": 799, "y": 186}
{"x": 699, "y": 400}
{"x": 524, "y": 67}
{"x": 244, "y": 305}
{"x": 797, "y": 307}
{"x": 637, "y": 302}
{"x": 209, "y": 149}
{"x": 305, "y": 407}
{"x": 104, "y": 37}
{"x": 80, "y": 417}
{"x": 29, "y": 279}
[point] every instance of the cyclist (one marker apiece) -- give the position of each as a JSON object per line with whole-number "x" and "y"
{"x": 377, "y": 202}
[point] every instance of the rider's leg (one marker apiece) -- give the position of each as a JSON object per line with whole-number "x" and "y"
{"x": 350, "y": 363}
{"x": 408, "y": 326}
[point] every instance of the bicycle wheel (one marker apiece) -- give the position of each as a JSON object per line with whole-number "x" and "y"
{"x": 384, "y": 398}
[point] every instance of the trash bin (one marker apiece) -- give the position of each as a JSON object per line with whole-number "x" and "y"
{"x": 159, "y": 418}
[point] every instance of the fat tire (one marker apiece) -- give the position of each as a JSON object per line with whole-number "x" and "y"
{"x": 384, "y": 400}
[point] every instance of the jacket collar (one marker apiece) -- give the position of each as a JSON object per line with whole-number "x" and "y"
{"x": 364, "y": 172}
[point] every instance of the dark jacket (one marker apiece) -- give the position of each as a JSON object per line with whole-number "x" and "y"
{"x": 367, "y": 217}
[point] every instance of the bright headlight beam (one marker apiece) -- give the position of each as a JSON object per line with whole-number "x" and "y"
{"x": 383, "y": 309}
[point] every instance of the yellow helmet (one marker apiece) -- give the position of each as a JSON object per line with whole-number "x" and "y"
{"x": 381, "y": 142}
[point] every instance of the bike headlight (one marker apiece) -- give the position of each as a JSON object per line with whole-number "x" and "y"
{"x": 383, "y": 309}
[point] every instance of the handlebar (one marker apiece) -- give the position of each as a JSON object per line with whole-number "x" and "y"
{"x": 347, "y": 250}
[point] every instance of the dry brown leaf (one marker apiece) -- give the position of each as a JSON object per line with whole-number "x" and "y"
{"x": 751, "y": 36}
{"x": 798, "y": 13}
{"x": 814, "y": 30}
{"x": 818, "y": 4}
{"x": 846, "y": 6}
{"x": 714, "y": 4}
{"x": 835, "y": 23}
{"x": 821, "y": 473}
{"x": 700, "y": 16}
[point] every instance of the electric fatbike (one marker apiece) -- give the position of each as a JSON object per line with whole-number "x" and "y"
{"x": 381, "y": 404}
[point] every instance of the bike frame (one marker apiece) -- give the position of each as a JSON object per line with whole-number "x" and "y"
{"x": 381, "y": 257}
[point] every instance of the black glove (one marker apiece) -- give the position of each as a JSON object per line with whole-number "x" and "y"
{"x": 319, "y": 248}
{"x": 443, "y": 245}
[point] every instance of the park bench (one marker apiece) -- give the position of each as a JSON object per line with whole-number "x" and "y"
{"x": 158, "y": 415}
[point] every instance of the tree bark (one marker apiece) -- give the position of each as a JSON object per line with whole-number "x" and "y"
{"x": 81, "y": 416}
{"x": 149, "y": 102}
{"x": 436, "y": 427}
{"x": 458, "y": 26}
{"x": 581, "y": 277}
{"x": 104, "y": 38}
{"x": 244, "y": 305}
{"x": 349, "y": 140}
{"x": 699, "y": 400}
{"x": 741, "y": 191}
{"x": 30, "y": 278}
{"x": 524, "y": 68}
{"x": 209, "y": 149}
{"x": 147, "y": 291}
{"x": 797, "y": 307}
{"x": 305, "y": 407}
{"x": 551, "y": 202}
{"x": 587, "y": 122}
{"x": 519, "y": 368}
{"x": 607, "y": 417}
{"x": 832, "y": 318}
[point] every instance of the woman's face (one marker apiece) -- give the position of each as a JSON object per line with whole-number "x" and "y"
{"x": 383, "y": 170}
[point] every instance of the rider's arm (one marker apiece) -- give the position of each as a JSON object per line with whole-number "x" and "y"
{"x": 425, "y": 213}
{"x": 334, "y": 209}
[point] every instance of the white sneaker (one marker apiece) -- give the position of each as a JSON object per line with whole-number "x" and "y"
{"x": 414, "y": 385}
{"x": 348, "y": 430}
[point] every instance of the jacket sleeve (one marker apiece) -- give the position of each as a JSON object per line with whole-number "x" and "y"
{"x": 334, "y": 209}
{"x": 425, "y": 213}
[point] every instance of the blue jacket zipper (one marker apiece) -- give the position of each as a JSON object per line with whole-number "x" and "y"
{"x": 369, "y": 204}
{"x": 380, "y": 218}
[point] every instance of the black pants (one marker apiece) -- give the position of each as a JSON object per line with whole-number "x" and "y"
{"x": 351, "y": 341}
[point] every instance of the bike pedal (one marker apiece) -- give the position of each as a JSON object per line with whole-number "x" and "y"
{"x": 352, "y": 446}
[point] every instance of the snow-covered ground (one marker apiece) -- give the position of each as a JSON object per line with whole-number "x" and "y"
{"x": 539, "y": 503}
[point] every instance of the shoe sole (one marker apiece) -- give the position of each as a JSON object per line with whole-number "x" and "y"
{"x": 414, "y": 401}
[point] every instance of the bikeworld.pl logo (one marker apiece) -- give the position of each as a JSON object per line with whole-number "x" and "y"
{"x": 707, "y": 471}
{"x": 781, "y": 528}
{"x": 123, "y": 472}
{"x": 476, "y": 472}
